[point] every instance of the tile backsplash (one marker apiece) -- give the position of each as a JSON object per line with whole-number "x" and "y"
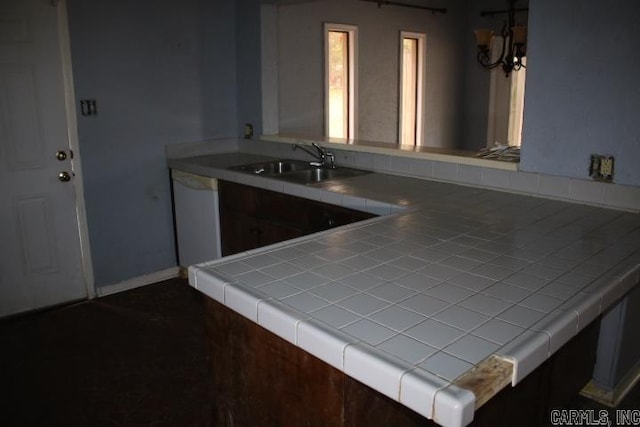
{"x": 616, "y": 196}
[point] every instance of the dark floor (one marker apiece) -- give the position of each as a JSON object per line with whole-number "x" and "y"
{"x": 137, "y": 358}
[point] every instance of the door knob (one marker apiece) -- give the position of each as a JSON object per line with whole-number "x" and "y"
{"x": 64, "y": 176}
{"x": 61, "y": 155}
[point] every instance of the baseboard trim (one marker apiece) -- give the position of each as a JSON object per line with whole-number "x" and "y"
{"x": 136, "y": 282}
{"x": 613, "y": 397}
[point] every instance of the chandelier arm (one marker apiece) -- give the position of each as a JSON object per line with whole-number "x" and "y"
{"x": 487, "y": 55}
{"x": 511, "y": 54}
{"x": 485, "y": 60}
{"x": 519, "y": 65}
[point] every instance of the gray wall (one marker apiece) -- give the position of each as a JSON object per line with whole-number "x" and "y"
{"x": 162, "y": 72}
{"x": 582, "y": 94}
{"x": 248, "y": 69}
{"x": 618, "y": 348}
{"x": 165, "y": 72}
{"x": 301, "y": 72}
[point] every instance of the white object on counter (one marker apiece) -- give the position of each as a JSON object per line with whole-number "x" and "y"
{"x": 195, "y": 199}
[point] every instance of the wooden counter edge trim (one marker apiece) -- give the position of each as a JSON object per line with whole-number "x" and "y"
{"x": 487, "y": 378}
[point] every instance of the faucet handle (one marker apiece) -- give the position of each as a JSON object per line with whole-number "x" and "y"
{"x": 322, "y": 155}
{"x": 332, "y": 159}
{"x": 320, "y": 149}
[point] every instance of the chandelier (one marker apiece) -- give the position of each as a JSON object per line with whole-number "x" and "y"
{"x": 514, "y": 41}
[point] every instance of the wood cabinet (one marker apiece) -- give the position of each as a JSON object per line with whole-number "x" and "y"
{"x": 251, "y": 217}
{"x": 261, "y": 380}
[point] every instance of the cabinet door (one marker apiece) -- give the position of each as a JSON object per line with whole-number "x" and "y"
{"x": 281, "y": 217}
{"x": 324, "y": 216}
{"x": 289, "y": 211}
{"x": 238, "y": 197}
{"x": 270, "y": 232}
{"x": 239, "y": 232}
{"x": 252, "y": 217}
{"x": 238, "y": 222}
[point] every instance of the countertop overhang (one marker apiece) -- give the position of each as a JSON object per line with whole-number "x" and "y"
{"x": 447, "y": 280}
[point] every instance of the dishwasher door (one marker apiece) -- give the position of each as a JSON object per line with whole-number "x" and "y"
{"x": 197, "y": 219}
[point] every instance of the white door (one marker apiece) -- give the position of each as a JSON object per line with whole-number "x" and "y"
{"x": 40, "y": 259}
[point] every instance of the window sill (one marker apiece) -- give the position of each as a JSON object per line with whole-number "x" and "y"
{"x": 423, "y": 153}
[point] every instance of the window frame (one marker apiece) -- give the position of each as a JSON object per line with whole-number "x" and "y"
{"x": 420, "y": 85}
{"x": 352, "y": 32}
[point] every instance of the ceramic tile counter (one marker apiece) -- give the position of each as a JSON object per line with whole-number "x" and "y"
{"x": 448, "y": 276}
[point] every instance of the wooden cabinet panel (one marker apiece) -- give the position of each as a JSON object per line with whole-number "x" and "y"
{"x": 238, "y": 197}
{"x": 239, "y": 232}
{"x": 249, "y": 391}
{"x": 238, "y": 222}
{"x": 284, "y": 208}
{"x": 261, "y": 380}
{"x": 251, "y": 217}
{"x": 273, "y": 232}
{"x": 323, "y": 216}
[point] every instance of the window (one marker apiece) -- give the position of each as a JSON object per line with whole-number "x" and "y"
{"x": 412, "y": 47}
{"x": 340, "y": 82}
{"x": 506, "y": 104}
{"x": 516, "y": 105}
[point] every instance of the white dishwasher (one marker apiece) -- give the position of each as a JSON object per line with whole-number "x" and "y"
{"x": 195, "y": 199}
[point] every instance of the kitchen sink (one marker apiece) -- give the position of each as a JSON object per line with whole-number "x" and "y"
{"x": 297, "y": 171}
{"x": 275, "y": 167}
{"x": 319, "y": 174}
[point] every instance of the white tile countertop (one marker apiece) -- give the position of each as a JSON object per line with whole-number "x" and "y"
{"x": 408, "y": 302}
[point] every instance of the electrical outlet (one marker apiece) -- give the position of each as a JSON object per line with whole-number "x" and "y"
{"x": 606, "y": 167}
{"x": 88, "y": 107}
{"x": 248, "y": 131}
{"x": 601, "y": 167}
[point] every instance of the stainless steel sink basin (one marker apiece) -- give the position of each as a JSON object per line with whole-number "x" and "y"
{"x": 276, "y": 167}
{"x": 297, "y": 171}
{"x": 316, "y": 174}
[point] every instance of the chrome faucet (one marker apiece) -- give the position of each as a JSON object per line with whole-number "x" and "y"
{"x": 326, "y": 159}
